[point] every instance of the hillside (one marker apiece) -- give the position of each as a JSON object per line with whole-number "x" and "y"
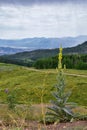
{"x": 43, "y": 53}
{"x": 27, "y": 58}
{"x": 28, "y": 84}
{"x": 10, "y": 50}
{"x": 79, "y": 49}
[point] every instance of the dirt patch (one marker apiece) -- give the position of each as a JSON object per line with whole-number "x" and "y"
{"x": 33, "y": 125}
{"x": 78, "y": 125}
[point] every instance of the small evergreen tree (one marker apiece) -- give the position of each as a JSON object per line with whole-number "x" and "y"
{"x": 61, "y": 110}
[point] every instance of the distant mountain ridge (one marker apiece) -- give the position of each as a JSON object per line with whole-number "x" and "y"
{"x": 43, "y": 53}
{"x": 28, "y": 44}
{"x": 10, "y": 50}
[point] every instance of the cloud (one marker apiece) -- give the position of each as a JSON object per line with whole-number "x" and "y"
{"x": 56, "y": 20}
{"x": 31, "y": 2}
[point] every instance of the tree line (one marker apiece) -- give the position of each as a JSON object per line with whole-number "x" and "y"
{"x": 70, "y": 61}
{"x": 75, "y": 61}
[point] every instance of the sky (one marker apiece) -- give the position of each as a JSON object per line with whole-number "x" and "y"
{"x": 42, "y": 18}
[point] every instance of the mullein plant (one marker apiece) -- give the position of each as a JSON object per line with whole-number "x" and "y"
{"x": 61, "y": 109}
{"x": 11, "y": 99}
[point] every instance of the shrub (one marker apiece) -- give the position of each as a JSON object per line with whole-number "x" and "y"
{"x": 11, "y": 99}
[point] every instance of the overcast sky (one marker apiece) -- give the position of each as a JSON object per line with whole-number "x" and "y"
{"x": 42, "y": 18}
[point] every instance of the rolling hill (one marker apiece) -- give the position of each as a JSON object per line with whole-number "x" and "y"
{"x": 43, "y": 53}
{"x": 10, "y": 50}
{"x": 28, "y": 58}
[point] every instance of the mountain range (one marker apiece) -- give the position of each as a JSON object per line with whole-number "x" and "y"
{"x": 10, "y": 50}
{"x": 44, "y": 53}
{"x": 29, "y": 57}
{"x": 29, "y": 44}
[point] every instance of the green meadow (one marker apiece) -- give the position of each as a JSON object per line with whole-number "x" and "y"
{"x": 34, "y": 86}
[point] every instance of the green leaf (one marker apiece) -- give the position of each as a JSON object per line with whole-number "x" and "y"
{"x": 68, "y": 111}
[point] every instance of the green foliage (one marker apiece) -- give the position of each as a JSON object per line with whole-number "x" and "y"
{"x": 46, "y": 63}
{"x": 61, "y": 110}
{"x": 18, "y": 61}
{"x": 71, "y": 61}
{"x": 11, "y": 100}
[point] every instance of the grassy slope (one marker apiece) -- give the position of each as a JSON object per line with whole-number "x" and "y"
{"x": 31, "y": 84}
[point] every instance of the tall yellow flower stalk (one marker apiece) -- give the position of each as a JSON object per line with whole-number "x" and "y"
{"x": 60, "y": 58}
{"x": 61, "y": 110}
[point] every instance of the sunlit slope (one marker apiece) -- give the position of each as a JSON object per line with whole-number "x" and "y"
{"x": 31, "y": 84}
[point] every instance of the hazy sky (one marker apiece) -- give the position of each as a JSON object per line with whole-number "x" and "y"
{"x": 42, "y": 18}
